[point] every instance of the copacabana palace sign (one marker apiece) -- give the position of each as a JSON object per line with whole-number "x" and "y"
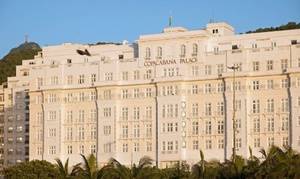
{"x": 170, "y": 62}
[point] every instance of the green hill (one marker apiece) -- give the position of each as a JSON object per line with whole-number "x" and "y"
{"x": 9, "y": 62}
{"x": 288, "y": 26}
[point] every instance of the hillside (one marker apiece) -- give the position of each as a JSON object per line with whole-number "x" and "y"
{"x": 9, "y": 62}
{"x": 288, "y": 26}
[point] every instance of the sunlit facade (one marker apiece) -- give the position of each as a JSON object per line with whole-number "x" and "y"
{"x": 167, "y": 96}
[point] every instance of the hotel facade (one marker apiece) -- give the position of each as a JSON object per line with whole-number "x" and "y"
{"x": 167, "y": 96}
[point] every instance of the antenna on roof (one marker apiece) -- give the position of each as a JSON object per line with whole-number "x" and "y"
{"x": 26, "y": 38}
{"x": 211, "y": 20}
{"x": 170, "y": 19}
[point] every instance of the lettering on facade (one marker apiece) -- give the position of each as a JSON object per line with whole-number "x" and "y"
{"x": 170, "y": 62}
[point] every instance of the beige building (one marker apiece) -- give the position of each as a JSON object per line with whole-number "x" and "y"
{"x": 166, "y": 96}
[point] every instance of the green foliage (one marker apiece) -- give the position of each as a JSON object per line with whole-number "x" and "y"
{"x": 276, "y": 163}
{"x": 288, "y": 26}
{"x": 9, "y": 62}
{"x": 32, "y": 170}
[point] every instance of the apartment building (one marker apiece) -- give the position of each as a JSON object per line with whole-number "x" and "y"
{"x": 167, "y": 96}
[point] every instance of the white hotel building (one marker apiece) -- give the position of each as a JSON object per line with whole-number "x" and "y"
{"x": 166, "y": 96}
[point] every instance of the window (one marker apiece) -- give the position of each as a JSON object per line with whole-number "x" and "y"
{"x": 238, "y": 143}
{"x": 270, "y": 84}
{"x": 81, "y": 79}
{"x": 195, "y": 110}
{"x": 124, "y": 114}
{"x": 148, "y": 53}
{"x": 284, "y": 123}
{"x": 148, "y": 74}
{"x": 285, "y": 105}
{"x": 270, "y": 124}
{"x": 208, "y": 88}
{"x": 220, "y": 127}
{"x": 220, "y": 108}
{"x": 69, "y": 116}
{"x": 216, "y": 50}
{"x": 52, "y": 150}
{"x": 107, "y": 112}
{"x": 136, "y": 93}
{"x": 93, "y": 78}
{"x": 220, "y": 143}
{"x": 136, "y": 113}
{"x": 208, "y": 144}
{"x": 52, "y": 132}
{"x": 148, "y": 112}
{"x": 255, "y": 85}
{"x": 121, "y": 57}
{"x": 285, "y": 141}
{"x": 182, "y": 51}
{"x": 52, "y": 115}
{"x": 207, "y": 69}
{"x": 255, "y": 106}
{"x": 125, "y": 147}
{"x": 81, "y": 115}
{"x": 284, "y": 64}
{"x": 298, "y": 62}
{"x": 195, "y": 126}
{"x": 69, "y": 134}
{"x": 195, "y": 70}
{"x": 149, "y": 146}
{"x": 107, "y": 148}
{"x": 256, "y": 142}
{"x": 69, "y": 149}
{"x": 108, "y": 76}
{"x": 107, "y": 130}
{"x": 69, "y": 79}
{"x": 270, "y": 105}
{"x": 136, "y": 75}
{"x": 125, "y": 75}
{"x": 93, "y": 95}
{"x": 39, "y": 82}
{"x": 256, "y": 125}
{"x": 284, "y": 83}
{"x": 159, "y": 52}
{"x": 207, "y": 127}
{"x": 195, "y": 144}
{"x": 107, "y": 94}
{"x": 170, "y": 145}
{"x": 93, "y": 132}
{"x": 208, "y": 109}
{"x": 255, "y": 66}
{"x": 136, "y": 147}
{"x": 269, "y": 65}
{"x": 81, "y": 133}
{"x": 195, "y": 50}
{"x": 148, "y": 92}
{"x": 136, "y": 131}
{"x": 254, "y": 45}
{"x": 220, "y": 87}
{"x": 148, "y": 130}
{"x": 125, "y": 131}
{"x": 270, "y": 141}
{"x": 54, "y": 80}
{"x": 220, "y": 68}
{"x": 93, "y": 149}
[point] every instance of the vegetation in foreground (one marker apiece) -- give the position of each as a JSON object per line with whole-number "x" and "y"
{"x": 276, "y": 163}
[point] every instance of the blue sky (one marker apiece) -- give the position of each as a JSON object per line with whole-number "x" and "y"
{"x": 49, "y": 22}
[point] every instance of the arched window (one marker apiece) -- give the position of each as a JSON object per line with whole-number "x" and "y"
{"x": 182, "y": 51}
{"x": 148, "y": 53}
{"x": 159, "y": 52}
{"x": 195, "y": 49}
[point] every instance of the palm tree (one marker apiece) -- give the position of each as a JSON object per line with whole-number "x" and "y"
{"x": 252, "y": 166}
{"x": 87, "y": 169}
{"x": 144, "y": 169}
{"x": 198, "y": 170}
{"x": 64, "y": 169}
